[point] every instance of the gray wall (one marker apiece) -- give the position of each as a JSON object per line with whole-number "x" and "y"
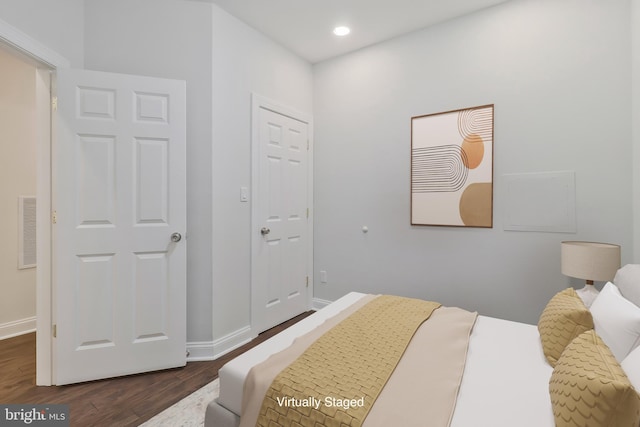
{"x": 635, "y": 55}
{"x": 559, "y": 75}
{"x": 58, "y": 24}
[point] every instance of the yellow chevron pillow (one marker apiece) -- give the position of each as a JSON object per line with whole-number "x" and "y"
{"x": 589, "y": 388}
{"x": 564, "y": 318}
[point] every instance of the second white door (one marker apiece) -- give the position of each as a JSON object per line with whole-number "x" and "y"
{"x": 280, "y": 234}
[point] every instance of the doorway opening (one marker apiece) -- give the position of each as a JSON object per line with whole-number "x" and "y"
{"x": 17, "y": 180}
{"x": 25, "y": 123}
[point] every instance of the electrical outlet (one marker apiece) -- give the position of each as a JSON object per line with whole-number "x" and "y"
{"x": 323, "y": 276}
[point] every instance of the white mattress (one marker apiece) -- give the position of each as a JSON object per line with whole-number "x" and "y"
{"x": 505, "y": 382}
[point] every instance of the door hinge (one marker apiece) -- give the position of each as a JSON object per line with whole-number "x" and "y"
{"x": 307, "y": 281}
{"x": 307, "y": 213}
{"x": 54, "y": 103}
{"x": 307, "y": 145}
{"x": 54, "y": 217}
{"x": 55, "y": 331}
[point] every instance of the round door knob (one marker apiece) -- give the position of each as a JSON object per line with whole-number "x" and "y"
{"x": 176, "y": 237}
{"x": 265, "y": 230}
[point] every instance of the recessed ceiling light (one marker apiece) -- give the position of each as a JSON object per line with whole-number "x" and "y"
{"x": 341, "y": 31}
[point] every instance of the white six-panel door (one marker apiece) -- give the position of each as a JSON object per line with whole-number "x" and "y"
{"x": 280, "y": 282}
{"x": 119, "y": 186}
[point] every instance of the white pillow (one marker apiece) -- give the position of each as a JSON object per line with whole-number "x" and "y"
{"x": 616, "y": 321}
{"x": 631, "y": 367}
{"x": 628, "y": 282}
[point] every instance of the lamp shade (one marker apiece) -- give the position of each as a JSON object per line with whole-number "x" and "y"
{"x": 590, "y": 260}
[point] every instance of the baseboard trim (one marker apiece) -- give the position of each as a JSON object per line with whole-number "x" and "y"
{"x": 231, "y": 341}
{"x": 17, "y": 327}
{"x": 318, "y": 303}
{"x": 200, "y": 351}
{"x": 211, "y": 350}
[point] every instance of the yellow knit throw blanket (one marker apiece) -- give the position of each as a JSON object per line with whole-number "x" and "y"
{"x": 338, "y": 378}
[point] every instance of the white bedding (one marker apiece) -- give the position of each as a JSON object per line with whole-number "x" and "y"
{"x": 506, "y": 378}
{"x": 505, "y": 382}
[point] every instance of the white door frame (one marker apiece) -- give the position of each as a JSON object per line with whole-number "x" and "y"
{"x": 257, "y": 102}
{"x": 48, "y": 61}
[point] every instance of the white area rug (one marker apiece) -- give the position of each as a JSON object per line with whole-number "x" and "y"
{"x": 189, "y": 412}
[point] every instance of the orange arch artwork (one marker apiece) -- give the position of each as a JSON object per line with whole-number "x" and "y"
{"x": 452, "y": 168}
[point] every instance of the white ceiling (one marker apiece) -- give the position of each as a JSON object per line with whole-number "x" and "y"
{"x": 305, "y": 26}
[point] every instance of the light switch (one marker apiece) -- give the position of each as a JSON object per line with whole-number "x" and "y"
{"x": 244, "y": 194}
{"x": 323, "y": 276}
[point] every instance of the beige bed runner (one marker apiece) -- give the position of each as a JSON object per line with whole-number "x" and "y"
{"x": 422, "y": 390}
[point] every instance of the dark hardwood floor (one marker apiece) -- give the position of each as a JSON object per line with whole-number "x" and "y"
{"x": 126, "y": 401}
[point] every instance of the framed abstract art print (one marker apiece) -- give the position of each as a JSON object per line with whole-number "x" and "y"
{"x": 452, "y": 168}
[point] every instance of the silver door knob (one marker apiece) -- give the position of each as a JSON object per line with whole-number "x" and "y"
{"x": 176, "y": 237}
{"x": 265, "y": 230}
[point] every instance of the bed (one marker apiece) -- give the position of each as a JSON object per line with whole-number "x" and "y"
{"x": 507, "y": 373}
